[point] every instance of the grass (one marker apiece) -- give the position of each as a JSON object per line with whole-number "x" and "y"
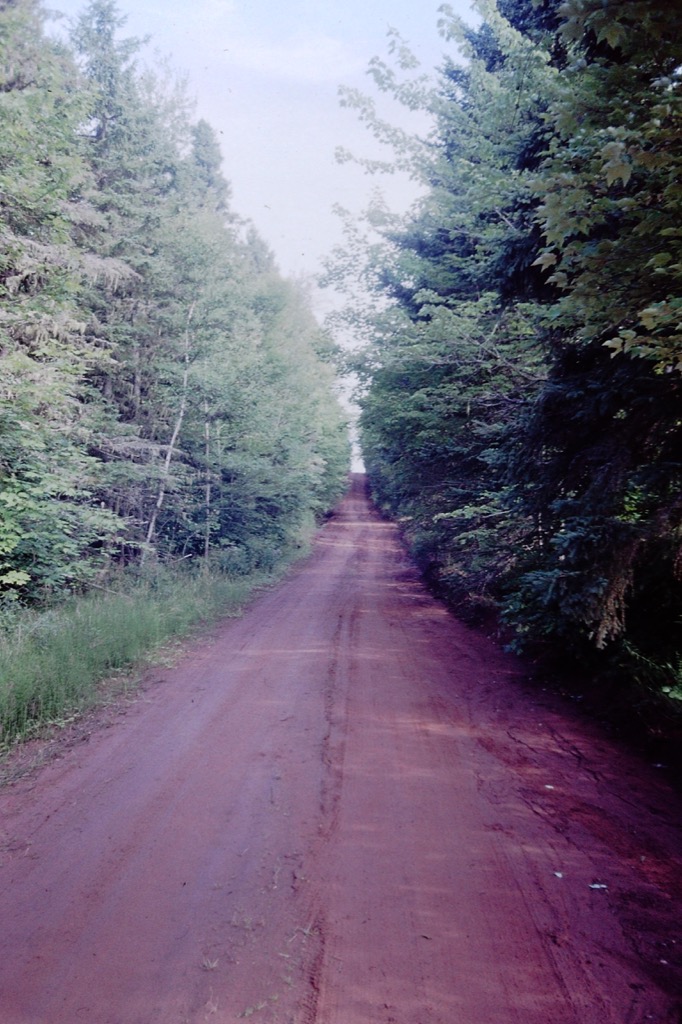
{"x": 53, "y": 661}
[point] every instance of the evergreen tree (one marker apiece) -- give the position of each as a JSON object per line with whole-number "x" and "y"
{"x": 521, "y": 387}
{"x": 456, "y": 357}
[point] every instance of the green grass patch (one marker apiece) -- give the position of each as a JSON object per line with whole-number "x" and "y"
{"x": 53, "y": 661}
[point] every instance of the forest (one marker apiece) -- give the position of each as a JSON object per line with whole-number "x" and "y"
{"x": 519, "y": 342}
{"x": 167, "y": 398}
{"x": 165, "y": 393}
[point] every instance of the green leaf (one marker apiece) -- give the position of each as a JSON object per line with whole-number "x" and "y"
{"x": 613, "y": 33}
{"x": 547, "y": 259}
{"x": 15, "y": 578}
{"x": 618, "y": 169}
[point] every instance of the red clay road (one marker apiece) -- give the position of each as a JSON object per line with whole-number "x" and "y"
{"x": 343, "y": 808}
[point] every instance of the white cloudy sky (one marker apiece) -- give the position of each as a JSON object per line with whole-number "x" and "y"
{"x": 265, "y": 74}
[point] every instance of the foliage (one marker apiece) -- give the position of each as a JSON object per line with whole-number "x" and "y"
{"x": 164, "y": 392}
{"x": 51, "y": 534}
{"x": 54, "y": 660}
{"x": 519, "y": 375}
{"x": 455, "y": 356}
{"x": 604, "y": 570}
{"x": 610, "y": 185}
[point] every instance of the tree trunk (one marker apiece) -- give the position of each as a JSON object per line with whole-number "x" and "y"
{"x": 163, "y": 482}
{"x": 207, "y": 493}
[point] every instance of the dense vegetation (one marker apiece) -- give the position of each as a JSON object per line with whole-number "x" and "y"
{"x": 163, "y": 391}
{"x": 522, "y": 344}
{"x": 166, "y": 397}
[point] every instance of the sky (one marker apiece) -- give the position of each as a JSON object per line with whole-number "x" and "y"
{"x": 265, "y": 74}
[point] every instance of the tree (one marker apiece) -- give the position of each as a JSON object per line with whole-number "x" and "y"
{"x": 50, "y": 535}
{"x": 140, "y": 321}
{"x": 533, "y": 460}
{"x": 193, "y": 334}
{"x": 610, "y": 184}
{"x": 456, "y": 356}
{"x": 600, "y": 454}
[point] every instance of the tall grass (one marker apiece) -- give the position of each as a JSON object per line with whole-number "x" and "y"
{"x": 52, "y": 661}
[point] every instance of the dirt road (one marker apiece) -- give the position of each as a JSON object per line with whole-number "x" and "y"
{"x": 345, "y": 809}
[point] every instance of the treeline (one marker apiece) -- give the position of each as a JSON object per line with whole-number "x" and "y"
{"x": 521, "y": 374}
{"x": 164, "y": 393}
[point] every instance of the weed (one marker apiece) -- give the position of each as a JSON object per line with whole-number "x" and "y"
{"x": 52, "y": 660}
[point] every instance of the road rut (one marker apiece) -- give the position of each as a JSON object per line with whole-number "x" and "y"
{"x": 343, "y": 808}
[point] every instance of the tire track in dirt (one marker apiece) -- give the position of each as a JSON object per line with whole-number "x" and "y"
{"x": 345, "y": 808}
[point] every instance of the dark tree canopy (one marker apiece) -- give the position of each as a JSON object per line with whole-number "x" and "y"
{"x": 521, "y": 382}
